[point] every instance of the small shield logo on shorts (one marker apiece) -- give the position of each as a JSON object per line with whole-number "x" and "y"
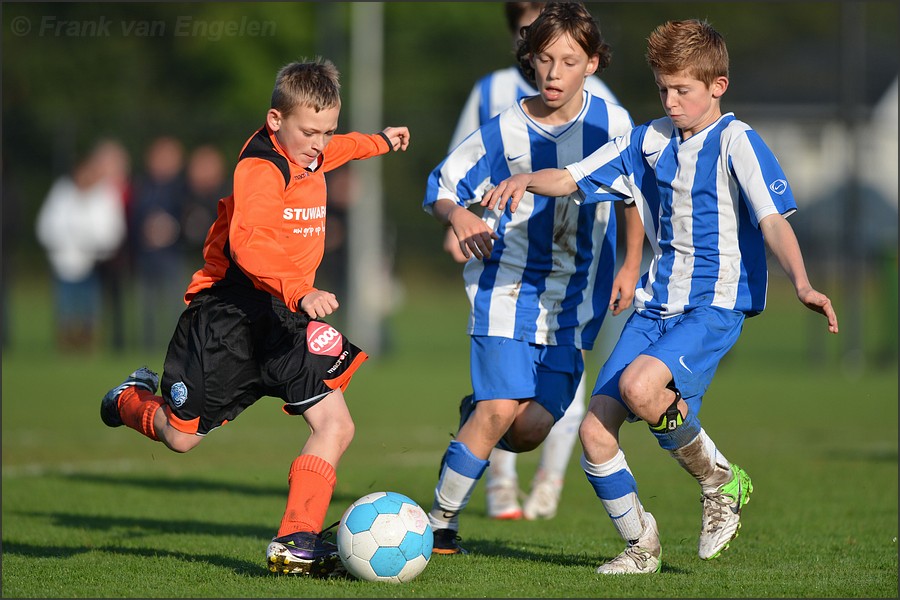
{"x": 179, "y": 393}
{"x": 322, "y": 338}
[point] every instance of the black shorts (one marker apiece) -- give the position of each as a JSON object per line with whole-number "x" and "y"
{"x": 233, "y": 345}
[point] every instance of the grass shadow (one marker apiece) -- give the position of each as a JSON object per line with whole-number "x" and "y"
{"x": 543, "y": 554}
{"x": 239, "y": 567}
{"x": 192, "y": 484}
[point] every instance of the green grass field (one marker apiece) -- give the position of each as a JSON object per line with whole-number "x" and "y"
{"x": 95, "y": 512}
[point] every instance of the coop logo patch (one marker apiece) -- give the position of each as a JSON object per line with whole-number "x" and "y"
{"x": 779, "y": 186}
{"x": 322, "y": 338}
{"x": 179, "y": 393}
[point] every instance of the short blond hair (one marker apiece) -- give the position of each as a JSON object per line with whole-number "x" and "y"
{"x": 692, "y": 46}
{"x": 314, "y": 83}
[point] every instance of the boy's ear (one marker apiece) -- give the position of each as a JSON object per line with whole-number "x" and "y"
{"x": 273, "y": 119}
{"x": 719, "y": 85}
{"x": 592, "y": 65}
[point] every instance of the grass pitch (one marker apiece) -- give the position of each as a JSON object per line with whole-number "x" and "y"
{"x": 95, "y": 512}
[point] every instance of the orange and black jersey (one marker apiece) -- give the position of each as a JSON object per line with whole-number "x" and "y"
{"x": 270, "y": 233}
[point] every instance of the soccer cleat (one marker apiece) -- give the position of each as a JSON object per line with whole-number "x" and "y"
{"x": 109, "y": 407}
{"x": 305, "y": 553}
{"x": 446, "y": 541}
{"x": 503, "y": 500}
{"x": 640, "y": 557}
{"x": 543, "y": 500}
{"x": 721, "y": 519}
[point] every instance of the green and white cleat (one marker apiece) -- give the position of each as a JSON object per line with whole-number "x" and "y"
{"x": 721, "y": 520}
{"x": 641, "y": 557}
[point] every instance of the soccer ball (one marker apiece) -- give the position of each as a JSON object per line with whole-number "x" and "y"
{"x": 385, "y": 536}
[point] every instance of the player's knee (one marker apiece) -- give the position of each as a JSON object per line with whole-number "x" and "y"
{"x": 179, "y": 442}
{"x": 341, "y": 430}
{"x": 636, "y": 392}
{"x": 526, "y": 434}
{"x": 530, "y": 440}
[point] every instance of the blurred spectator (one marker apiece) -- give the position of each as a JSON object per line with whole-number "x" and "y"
{"x": 156, "y": 241}
{"x": 114, "y": 162}
{"x": 80, "y": 223}
{"x": 206, "y": 184}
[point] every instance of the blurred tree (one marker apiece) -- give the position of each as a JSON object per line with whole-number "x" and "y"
{"x": 204, "y": 72}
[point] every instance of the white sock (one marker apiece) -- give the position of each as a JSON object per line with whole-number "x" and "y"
{"x": 702, "y": 459}
{"x": 460, "y": 474}
{"x": 502, "y": 468}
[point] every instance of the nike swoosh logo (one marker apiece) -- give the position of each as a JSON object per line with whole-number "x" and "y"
{"x": 514, "y": 158}
{"x": 620, "y": 516}
{"x": 737, "y": 509}
{"x": 449, "y": 515}
{"x": 681, "y": 362}
{"x": 649, "y": 154}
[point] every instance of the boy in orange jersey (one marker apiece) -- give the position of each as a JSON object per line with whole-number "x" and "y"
{"x": 252, "y": 326}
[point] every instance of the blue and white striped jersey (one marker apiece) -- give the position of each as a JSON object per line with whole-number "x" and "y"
{"x": 701, "y": 201}
{"x": 550, "y": 273}
{"x": 497, "y": 91}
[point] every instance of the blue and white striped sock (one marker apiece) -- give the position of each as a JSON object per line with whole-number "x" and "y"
{"x": 617, "y": 489}
{"x": 459, "y": 476}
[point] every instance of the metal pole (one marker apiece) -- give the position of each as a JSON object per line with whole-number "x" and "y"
{"x": 367, "y": 280}
{"x": 853, "y": 266}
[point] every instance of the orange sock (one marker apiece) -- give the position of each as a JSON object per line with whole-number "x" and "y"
{"x": 310, "y": 486}
{"x": 137, "y": 408}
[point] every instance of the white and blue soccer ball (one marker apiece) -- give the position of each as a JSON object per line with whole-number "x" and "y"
{"x": 385, "y": 536}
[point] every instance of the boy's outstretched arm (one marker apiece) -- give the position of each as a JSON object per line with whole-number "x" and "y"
{"x": 546, "y": 182}
{"x": 473, "y": 234}
{"x": 780, "y": 239}
{"x": 626, "y": 279}
{"x": 398, "y": 137}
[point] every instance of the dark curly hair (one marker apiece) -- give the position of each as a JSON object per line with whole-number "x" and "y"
{"x": 556, "y": 19}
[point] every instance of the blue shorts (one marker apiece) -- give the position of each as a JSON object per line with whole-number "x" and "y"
{"x": 691, "y": 346}
{"x": 503, "y": 368}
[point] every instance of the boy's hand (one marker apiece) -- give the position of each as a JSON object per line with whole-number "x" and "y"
{"x": 451, "y": 246}
{"x": 820, "y": 303}
{"x": 507, "y": 191}
{"x": 472, "y": 233}
{"x": 318, "y": 304}
{"x": 623, "y": 288}
{"x": 399, "y": 137}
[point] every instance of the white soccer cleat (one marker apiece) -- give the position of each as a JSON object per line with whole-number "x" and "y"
{"x": 640, "y": 557}
{"x": 543, "y": 501}
{"x": 503, "y": 500}
{"x": 721, "y": 520}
